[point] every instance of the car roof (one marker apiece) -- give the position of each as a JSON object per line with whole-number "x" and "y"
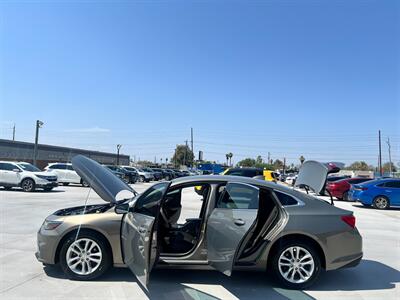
{"x": 230, "y": 178}
{"x": 378, "y": 181}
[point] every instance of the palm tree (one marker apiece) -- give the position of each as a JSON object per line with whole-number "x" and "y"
{"x": 230, "y": 158}
{"x": 227, "y": 158}
{"x": 302, "y": 159}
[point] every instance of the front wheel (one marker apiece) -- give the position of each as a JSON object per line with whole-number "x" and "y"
{"x": 381, "y": 202}
{"x": 28, "y": 185}
{"x": 85, "y": 258}
{"x": 296, "y": 265}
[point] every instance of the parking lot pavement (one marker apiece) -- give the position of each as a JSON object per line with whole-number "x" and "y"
{"x": 23, "y": 277}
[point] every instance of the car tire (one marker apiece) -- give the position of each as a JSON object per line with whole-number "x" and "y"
{"x": 65, "y": 183}
{"x": 100, "y": 253}
{"x": 28, "y": 185}
{"x": 142, "y": 179}
{"x": 381, "y": 202}
{"x": 287, "y": 254}
{"x": 84, "y": 183}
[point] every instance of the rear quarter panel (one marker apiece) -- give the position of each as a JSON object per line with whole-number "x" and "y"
{"x": 339, "y": 242}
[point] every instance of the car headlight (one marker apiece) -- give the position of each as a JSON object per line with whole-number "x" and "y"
{"x": 51, "y": 225}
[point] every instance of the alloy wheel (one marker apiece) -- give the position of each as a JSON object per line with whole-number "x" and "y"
{"x": 27, "y": 185}
{"x": 296, "y": 264}
{"x": 381, "y": 203}
{"x": 84, "y": 256}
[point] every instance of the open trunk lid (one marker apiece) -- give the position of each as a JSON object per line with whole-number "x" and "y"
{"x": 313, "y": 174}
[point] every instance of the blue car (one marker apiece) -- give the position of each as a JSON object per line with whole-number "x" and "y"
{"x": 381, "y": 193}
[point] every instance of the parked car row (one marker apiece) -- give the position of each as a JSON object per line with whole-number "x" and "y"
{"x": 29, "y": 178}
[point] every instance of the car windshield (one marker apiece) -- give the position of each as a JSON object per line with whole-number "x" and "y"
{"x": 29, "y": 167}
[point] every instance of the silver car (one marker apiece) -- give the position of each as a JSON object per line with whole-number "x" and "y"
{"x": 241, "y": 223}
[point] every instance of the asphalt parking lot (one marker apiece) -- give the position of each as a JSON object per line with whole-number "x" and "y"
{"x": 23, "y": 277}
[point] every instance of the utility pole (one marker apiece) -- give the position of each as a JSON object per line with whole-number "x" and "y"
{"x": 390, "y": 158}
{"x": 14, "y": 132}
{"x": 380, "y": 154}
{"x": 118, "y": 147}
{"x": 191, "y": 139}
{"x": 39, "y": 124}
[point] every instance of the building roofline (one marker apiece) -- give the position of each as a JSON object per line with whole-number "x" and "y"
{"x": 66, "y": 149}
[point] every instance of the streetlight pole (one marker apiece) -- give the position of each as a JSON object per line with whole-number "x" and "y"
{"x": 118, "y": 147}
{"x": 390, "y": 157}
{"x": 39, "y": 124}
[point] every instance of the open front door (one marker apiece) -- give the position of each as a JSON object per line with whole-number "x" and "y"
{"x": 228, "y": 224}
{"x": 139, "y": 232}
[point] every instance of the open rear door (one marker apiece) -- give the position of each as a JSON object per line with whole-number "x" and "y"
{"x": 228, "y": 224}
{"x": 139, "y": 232}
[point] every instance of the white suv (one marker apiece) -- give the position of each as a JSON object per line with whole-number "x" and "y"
{"x": 65, "y": 173}
{"x": 26, "y": 176}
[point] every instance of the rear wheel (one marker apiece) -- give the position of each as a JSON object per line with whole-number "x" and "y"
{"x": 28, "y": 185}
{"x": 381, "y": 202}
{"x": 85, "y": 258}
{"x": 296, "y": 265}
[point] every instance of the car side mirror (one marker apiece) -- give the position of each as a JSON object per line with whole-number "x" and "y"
{"x": 16, "y": 170}
{"x": 121, "y": 209}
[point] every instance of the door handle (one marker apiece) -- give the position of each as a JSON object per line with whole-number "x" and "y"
{"x": 239, "y": 222}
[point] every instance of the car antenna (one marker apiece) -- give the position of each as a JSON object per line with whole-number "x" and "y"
{"x": 82, "y": 214}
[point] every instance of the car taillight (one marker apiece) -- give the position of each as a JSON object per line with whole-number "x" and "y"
{"x": 349, "y": 220}
{"x": 359, "y": 188}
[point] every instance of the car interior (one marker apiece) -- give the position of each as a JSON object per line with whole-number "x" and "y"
{"x": 179, "y": 234}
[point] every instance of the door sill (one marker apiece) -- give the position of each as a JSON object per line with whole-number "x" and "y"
{"x": 172, "y": 261}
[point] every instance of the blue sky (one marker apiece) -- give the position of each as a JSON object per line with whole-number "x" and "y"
{"x": 312, "y": 78}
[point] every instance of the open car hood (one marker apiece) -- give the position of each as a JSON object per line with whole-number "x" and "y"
{"x": 107, "y": 185}
{"x": 313, "y": 174}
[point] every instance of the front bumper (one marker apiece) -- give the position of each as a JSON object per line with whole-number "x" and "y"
{"x": 47, "y": 241}
{"x": 48, "y": 184}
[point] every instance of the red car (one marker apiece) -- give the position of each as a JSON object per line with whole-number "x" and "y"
{"x": 340, "y": 188}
